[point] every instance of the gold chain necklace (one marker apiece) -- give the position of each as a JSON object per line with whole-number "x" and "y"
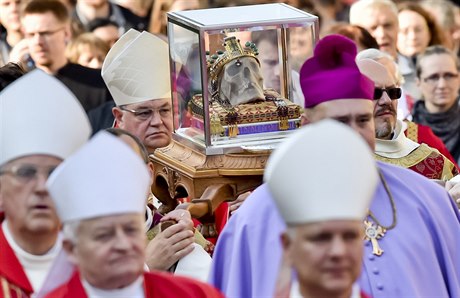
{"x": 375, "y": 230}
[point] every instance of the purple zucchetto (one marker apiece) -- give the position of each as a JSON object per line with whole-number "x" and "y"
{"x": 332, "y": 73}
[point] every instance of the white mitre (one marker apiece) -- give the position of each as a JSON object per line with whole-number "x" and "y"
{"x": 323, "y": 171}
{"x": 40, "y": 115}
{"x": 119, "y": 46}
{"x": 105, "y": 177}
{"x": 136, "y": 68}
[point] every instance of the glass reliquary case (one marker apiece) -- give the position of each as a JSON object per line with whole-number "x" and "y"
{"x": 235, "y": 75}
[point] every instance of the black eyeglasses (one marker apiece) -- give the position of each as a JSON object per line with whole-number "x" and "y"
{"x": 144, "y": 114}
{"x": 28, "y": 172}
{"x": 393, "y": 93}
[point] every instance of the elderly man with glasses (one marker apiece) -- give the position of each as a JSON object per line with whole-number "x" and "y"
{"x": 41, "y": 124}
{"x": 136, "y": 71}
{"x": 392, "y": 145}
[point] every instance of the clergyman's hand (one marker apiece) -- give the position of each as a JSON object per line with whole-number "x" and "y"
{"x": 180, "y": 216}
{"x": 169, "y": 246}
{"x": 234, "y": 205}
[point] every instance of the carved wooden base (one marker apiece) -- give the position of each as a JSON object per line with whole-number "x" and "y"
{"x": 180, "y": 172}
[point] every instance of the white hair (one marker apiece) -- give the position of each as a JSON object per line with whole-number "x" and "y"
{"x": 69, "y": 230}
{"x": 375, "y": 54}
{"x": 357, "y": 8}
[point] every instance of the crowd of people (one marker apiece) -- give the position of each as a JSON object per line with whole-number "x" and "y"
{"x": 361, "y": 201}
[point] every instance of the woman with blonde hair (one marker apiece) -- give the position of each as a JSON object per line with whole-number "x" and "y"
{"x": 88, "y": 50}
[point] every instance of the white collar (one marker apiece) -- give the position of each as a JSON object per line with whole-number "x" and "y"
{"x": 149, "y": 219}
{"x": 31, "y": 259}
{"x": 134, "y": 290}
{"x": 36, "y": 267}
{"x": 400, "y": 146}
{"x": 295, "y": 291}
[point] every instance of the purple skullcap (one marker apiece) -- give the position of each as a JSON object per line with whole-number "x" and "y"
{"x": 332, "y": 73}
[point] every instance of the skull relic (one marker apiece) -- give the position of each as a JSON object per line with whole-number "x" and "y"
{"x": 241, "y": 81}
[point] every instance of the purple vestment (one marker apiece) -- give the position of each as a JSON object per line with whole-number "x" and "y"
{"x": 248, "y": 252}
{"x": 421, "y": 254}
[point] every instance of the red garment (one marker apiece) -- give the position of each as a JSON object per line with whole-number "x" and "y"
{"x": 434, "y": 166}
{"x": 221, "y": 215}
{"x": 426, "y": 161}
{"x": 156, "y": 284}
{"x": 13, "y": 280}
{"x": 423, "y": 134}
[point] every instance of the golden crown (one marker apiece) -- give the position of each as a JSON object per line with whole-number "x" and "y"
{"x": 233, "y": 50}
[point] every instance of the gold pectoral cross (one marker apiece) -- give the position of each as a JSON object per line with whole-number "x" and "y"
{"x": 373, "y": 233}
